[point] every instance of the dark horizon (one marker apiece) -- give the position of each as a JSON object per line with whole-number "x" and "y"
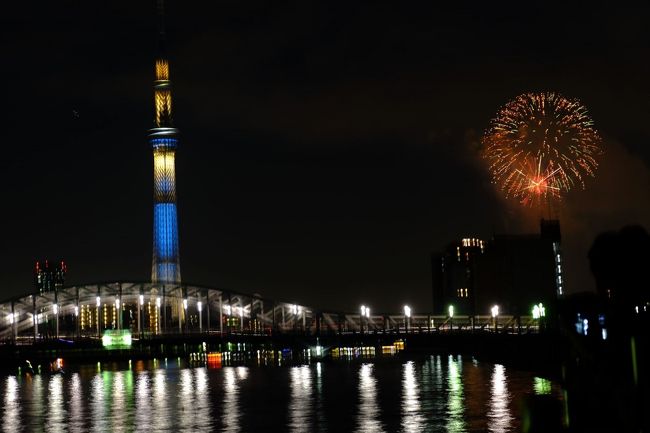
{"x": 325, "y": 151}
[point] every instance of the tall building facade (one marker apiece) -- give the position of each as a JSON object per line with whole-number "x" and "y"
{"x": 164, "y": 140}
{"x": 512, "y": 271}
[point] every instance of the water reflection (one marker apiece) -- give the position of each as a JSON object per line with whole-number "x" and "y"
{"x": 455, "y": 407}
{"x": 185, "y": 398}
{"x": 231, "y": 410}
{"x": 160, "y": 415}
{"x": 55, "y": 411}
{"x": 97, "y": 408}
{"x": 301, "y": 404}
{"x": 368, "y": 411}
{"x": 142, "y": 402}
{"x": 77, "y": 416}
{"x": 118, "y": 406}
{"x": 412, "y": 418}
{"x": 202, "y": 406}
{"x": 11, "y": 411}
{"x": 439, "y": 394}
{"x": 499, "y": 415}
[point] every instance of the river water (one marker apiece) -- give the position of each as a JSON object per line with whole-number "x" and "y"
{"x": 436, "y": 393}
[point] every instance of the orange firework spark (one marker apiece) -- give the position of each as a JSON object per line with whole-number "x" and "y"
{"x": 541, "y": 145}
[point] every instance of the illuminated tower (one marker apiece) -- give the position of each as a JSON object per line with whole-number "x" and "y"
{"x": 163, "y": 138}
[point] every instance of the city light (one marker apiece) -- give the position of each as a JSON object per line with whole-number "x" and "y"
{"x": 451, "y": 311}
{"x": 363, "y": 311}
{"x": 227, "y": 310}
{"x": 539, "y": 311}
{"x": 199, "y": 306}
{"x": 116, "y": 339}
{"x": 55, "y": 308}
{"x": 141, "y": 299}
{"x": 117, "y": 303}
{"x": 158, "y": 302}
{"x": 98, "y": 301}
{"x": 495, "y": 311}
{"x": 407, "y": 311}
{"x": 76, "y": 311}
{"x": 185, "y": 304}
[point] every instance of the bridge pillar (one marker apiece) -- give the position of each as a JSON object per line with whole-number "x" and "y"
{"x": 14, "y": 325}
{"x": 220, "y": 314}
{"x": 56, "y": 303}
{"x": 164, "y": 308}
{"x": 207, "y": 309}
{"x": 77, "y": 324}
{"x": 98, "y": 300}
{"x": 35, "y": 317}
{"x": 273, "y": 318}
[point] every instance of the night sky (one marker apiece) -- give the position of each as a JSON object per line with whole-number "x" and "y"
{"x": 327, "y": 148}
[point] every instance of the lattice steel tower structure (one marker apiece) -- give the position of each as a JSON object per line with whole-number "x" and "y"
{"x": 164, "y": 139}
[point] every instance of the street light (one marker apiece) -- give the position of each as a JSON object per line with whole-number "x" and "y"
{"x": 365, "y": 312}
{"x": 451, "y": 317}
{"x": 55, "y": 309}
{"x": 98, "y": 302}
{"x": 495, "y": 313}
{"x": 140, "y": 314}
{"x": 538, "y": 312}
{"x": 199, "y": 306}
{"x": 117, "y": 311}
{"x": 407, "y": 316}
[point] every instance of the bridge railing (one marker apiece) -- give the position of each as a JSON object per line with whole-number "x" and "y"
{"x": 150, "y": 310}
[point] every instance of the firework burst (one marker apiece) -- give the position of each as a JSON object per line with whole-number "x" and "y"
{"x": 540, "y": 146}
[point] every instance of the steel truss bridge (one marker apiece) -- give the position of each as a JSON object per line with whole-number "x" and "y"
{"x": 154, "y": 310}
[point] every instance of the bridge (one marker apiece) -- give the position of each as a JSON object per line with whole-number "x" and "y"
{"x": 167, "y": 310}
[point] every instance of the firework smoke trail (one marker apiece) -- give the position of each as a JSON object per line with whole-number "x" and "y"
{"x": 541, "y": 145}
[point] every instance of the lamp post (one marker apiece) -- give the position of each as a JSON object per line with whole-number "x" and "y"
{"x": 55, "y": 309}
{"x": 117, "y": 312}
{"x": 140, "y": 304}
{"x": 98, "y": 302}
{"x": 538, "y": 313}
{"x": 450, "y": 310}
{"x": 199, "y": 306}
{"x": 180, "y": 319}
{"x": 363, "y": 313}
{"x": 495, "y": 315}
{"x": 407, "y": 317}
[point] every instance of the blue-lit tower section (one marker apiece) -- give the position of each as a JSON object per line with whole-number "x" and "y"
{"x": 163, "y": 138}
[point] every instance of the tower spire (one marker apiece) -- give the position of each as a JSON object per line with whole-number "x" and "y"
{"x": 163, "y": 138}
